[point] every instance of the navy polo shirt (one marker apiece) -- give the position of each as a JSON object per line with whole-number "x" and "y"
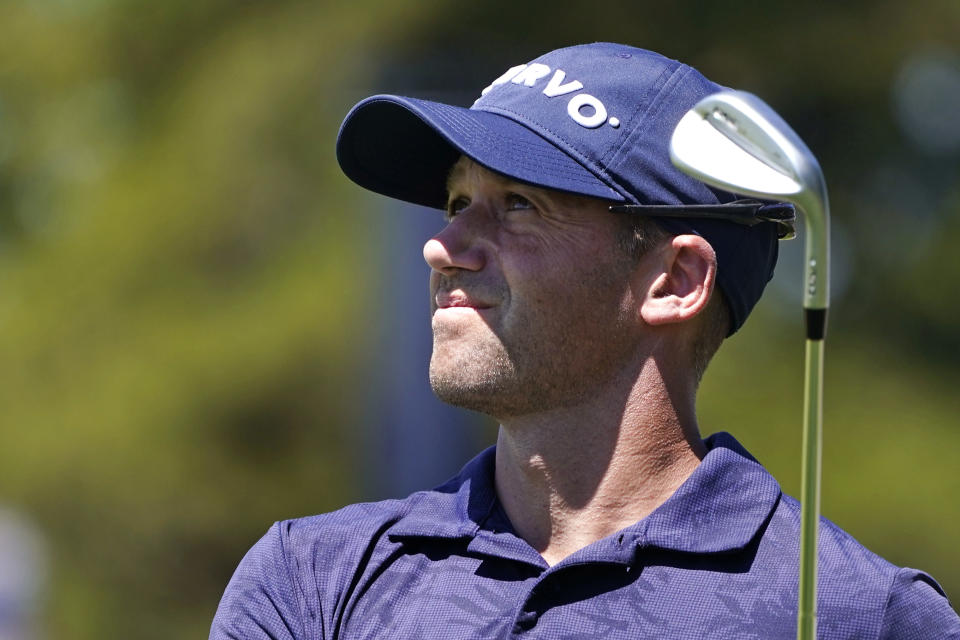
{"x": 718, "y": 559}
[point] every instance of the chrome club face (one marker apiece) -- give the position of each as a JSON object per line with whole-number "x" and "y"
{"x": 734, "y": 141}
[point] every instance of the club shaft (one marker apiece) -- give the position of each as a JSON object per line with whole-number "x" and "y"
{"x": 810, "y": 489}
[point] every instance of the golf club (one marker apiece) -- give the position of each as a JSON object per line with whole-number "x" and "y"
{"x": 735, "y": 141}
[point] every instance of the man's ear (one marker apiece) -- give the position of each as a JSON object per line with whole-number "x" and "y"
{"x": 687, "y": 271}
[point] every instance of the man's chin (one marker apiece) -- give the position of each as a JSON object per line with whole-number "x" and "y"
{"x": 467, "y": 383}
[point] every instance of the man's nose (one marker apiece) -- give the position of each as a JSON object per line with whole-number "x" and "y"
{"x": 459, "y": 245}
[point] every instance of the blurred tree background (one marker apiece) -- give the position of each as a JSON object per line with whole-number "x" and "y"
{"x": 191, "y": 293}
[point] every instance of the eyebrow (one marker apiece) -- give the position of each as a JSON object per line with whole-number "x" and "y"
{"x": 545, "y": 196}
{"x": 458, "y": 172}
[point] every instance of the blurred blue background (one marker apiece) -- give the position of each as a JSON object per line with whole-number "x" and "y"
{"x": 207, "y": 328}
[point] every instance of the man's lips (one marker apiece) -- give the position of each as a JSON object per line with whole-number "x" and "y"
{"x": 458, "y": 299}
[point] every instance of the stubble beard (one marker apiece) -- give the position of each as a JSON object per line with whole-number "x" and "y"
{"x": 475, "y": 370}
{"x": 473, "y": 373}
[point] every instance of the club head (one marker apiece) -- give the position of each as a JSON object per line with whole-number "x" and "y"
{"x": 734, "y": 141}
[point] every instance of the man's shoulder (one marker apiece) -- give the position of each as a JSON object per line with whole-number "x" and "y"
{"x": 347, "y": 520}
{"x": 299, "y": 563}
{"x": 352, "y": 526}
{"x": 855, "y": 586}
{"x": 841, "y": 556}
{"x": 450, "y": 510}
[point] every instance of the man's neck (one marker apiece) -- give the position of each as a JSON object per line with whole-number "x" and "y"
{"x": 571, "y": 476}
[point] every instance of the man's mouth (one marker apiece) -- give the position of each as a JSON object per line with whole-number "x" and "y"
{"x": 458, "y": 299}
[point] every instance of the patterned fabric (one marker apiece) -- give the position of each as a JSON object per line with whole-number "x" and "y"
{"x": 717, "y": 560}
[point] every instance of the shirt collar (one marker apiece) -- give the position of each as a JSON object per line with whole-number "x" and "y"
{"x": 456, "y": 509}
{"x": 719, "y": 508}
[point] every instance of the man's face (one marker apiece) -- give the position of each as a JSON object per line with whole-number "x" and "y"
{"x": 530, "y": 296}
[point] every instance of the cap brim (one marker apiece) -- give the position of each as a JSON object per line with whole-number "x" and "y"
{"x": 404, "y": 148}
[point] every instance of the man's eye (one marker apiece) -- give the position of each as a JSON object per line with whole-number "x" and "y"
{"x": 456, "y": 205}
{"x": 515, "y": 202}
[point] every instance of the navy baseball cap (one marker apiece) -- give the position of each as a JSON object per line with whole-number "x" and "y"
{"x": 594, "y": 120}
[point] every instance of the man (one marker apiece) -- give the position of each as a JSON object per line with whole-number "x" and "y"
{"x": 584, "y": 332}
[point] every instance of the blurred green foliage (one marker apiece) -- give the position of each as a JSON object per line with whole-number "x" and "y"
{"x": 183, "y": 270}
